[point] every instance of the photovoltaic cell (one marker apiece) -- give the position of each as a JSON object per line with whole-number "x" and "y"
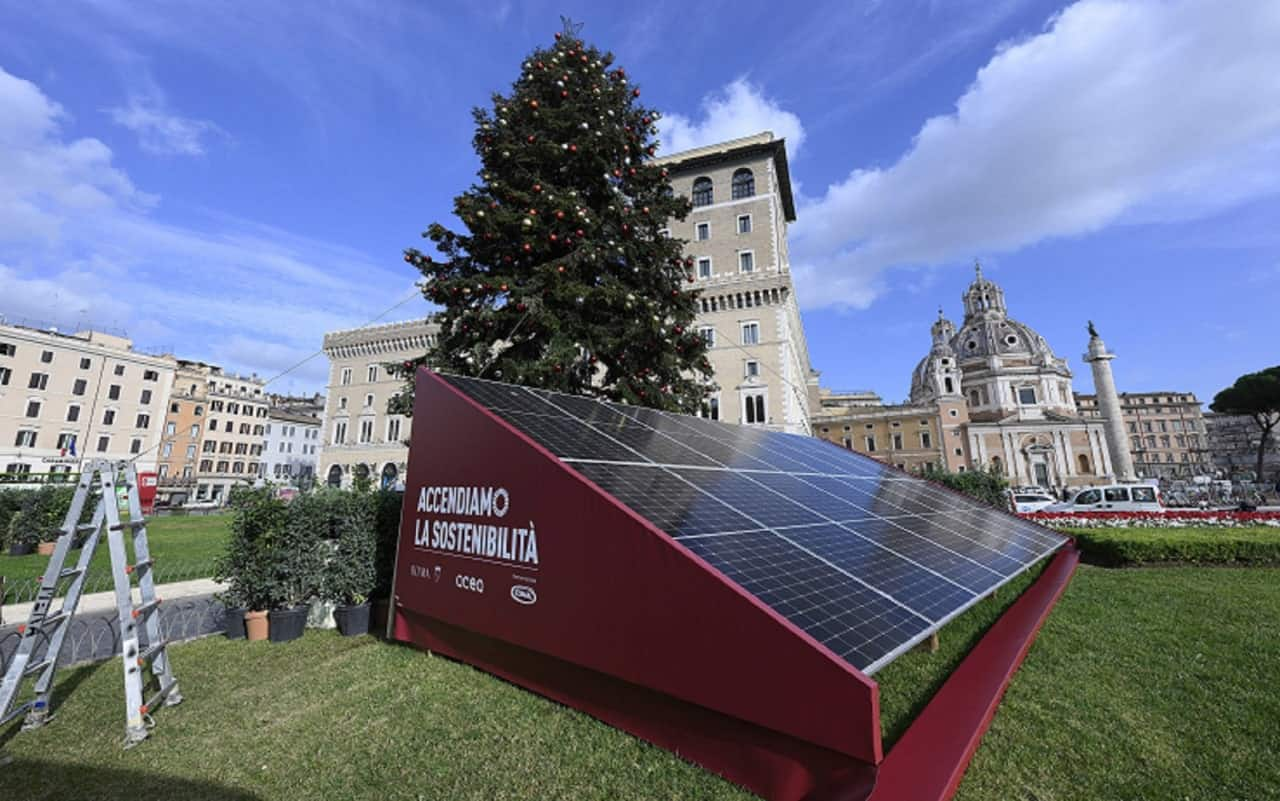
{"x": 865, "y": 559}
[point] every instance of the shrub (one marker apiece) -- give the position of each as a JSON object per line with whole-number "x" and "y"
{"x": 388, "y": 505}
{"x": 257, "y": 519}
{"x": 350, "y": 574}
{"x": 1200, "y": 546}
{"x": 981, "y": 485}
{"x": 36, "y": 515}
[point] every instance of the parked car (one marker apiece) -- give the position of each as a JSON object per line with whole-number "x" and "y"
{"x": 1112, "y": 498}
{"x": 1025, "y": 501}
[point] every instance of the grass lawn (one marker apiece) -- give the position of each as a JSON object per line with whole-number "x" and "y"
{"x": 184, "y": 548}
{"x": 1152, "y": 684}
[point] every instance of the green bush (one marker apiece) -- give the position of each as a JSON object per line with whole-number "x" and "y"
{"x": 388, "y": 504}
{"x": 1131, "y": 547}
{"x": 257, "y": 520}
{"x": 981, "y": 485}
{"x": 36, "y": 515}
{"x": 350, "y": 573}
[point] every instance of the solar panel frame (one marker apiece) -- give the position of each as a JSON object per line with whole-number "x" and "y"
{"x": 658, "y": 444}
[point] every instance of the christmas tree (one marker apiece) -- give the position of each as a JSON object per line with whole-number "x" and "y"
{"x": 563, "y": 277}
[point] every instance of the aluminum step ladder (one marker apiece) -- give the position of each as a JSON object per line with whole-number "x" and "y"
{"x": 99, "y": 482}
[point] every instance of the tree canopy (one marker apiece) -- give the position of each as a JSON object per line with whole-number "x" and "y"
{"x": 1256, "y": 395}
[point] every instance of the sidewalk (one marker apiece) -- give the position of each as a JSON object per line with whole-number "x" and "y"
{"x": 106, "y": 601}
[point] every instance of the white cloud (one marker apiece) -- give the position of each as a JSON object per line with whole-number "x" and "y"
{"x": 1117, "y": 112}
{"x": 80, "y": 243}
{"x": 740, "y": 109}
{"x": 162, "y": 132}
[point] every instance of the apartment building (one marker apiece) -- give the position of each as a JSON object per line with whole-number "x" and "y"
{"x": 360, "y": 438}
{"x": 910, "y": 437}
{"x": 68, "y": 397}
{"x": 291, "y": 451}
{"x": 182, "y": 435}
{"x": 234, "y": 432}
{"x": 1167, "y": 436}
{"x": 737, "y": 238}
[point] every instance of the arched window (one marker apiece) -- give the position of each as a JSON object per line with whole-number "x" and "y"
{"x": 950, "y": 385}
{"x": 702, "y": 192}
{"x": 744, "y": 183}
{"x": 1084, "y": 463}
{"x": 388, "y": 476}
{"x": 335, "y": 476}
{"x": 997, "y": 465}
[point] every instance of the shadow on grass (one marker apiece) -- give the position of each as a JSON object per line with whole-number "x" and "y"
{"x": 38, "y": 780}
{"x": 64, "y": 684}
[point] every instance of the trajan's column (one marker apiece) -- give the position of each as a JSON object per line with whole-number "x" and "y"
{"x": 1109, "y": 403}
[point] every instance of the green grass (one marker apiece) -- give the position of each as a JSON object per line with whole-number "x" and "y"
{"x": 183, "y": 547}
{"x": 1144, "y": 684}
{"x": 1133, "y": 547}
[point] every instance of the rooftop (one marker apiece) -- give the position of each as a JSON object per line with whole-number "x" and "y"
{"x": 763, "y": 143}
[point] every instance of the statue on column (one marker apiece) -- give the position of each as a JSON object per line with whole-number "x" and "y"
{"x": 1093, "y": 331}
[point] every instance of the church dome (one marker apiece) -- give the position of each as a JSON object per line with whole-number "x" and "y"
{"x": 989, "y": 331}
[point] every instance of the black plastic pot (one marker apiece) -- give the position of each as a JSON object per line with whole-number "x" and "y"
{"x": 235, "y": 623}
{"x": 287, "y": 624}
{"x": 20, "y": 548}
{"x": 352, "y": 620}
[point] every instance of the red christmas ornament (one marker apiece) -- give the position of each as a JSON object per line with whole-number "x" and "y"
{"x": 664, "y": 172}
{"x": 559, "y": 215}
{"x": 506, "y": 259}
{"x": 533, "y": 104}
{"x": 635, "y": 92}
{"x": 534, "y": 212}
{"x": 632, "y": 171}
{"x": 558, "y": 36}
{"x": 530, "y": 139}
{"x": 573, "y": 148}
{"x": 580, "y": 233}
{"x": 560, "y": 268}
{"x": 645, "y": 120}
{"x": 408, "y": 365}
{"x": 573, "y": 52}
{"x": 408, "y": 257}
{"x": 617, "y": 173}
{"x": 679, "y": 330}
{"x": 552, "y": 237}
{"x": 689, "y": 279}
{"x": 537, "y": 187}
{"x": 520, "y": 307}
{"x": 527, "y": 247}
{"x": 584, "y": 59}
{"x": 539, "y": 65}
{"x": 493, "y": 205}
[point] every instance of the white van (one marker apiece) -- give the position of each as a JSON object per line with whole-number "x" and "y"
{"x": 1113, "y": 498}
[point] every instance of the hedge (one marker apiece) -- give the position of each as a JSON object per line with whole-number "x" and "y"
{"x": 1136, "y": 547}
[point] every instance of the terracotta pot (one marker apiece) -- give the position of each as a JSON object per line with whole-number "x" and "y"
{"x": 45, "y": 548}
{"x": 255, "y": 624}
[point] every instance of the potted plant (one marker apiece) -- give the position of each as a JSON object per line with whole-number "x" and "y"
{"x": 387, "y": 508}
{"x": 295, "y": 561}
{"x": 350, "y": 573}
{"x": 256, "y": 521}
{"x": 234, "y": 609}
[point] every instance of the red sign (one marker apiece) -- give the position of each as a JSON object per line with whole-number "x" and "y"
{"x": 147, "y": 483}
{"x": 511, "y": 561}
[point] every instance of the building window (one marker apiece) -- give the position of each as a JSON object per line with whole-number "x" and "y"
{"x": 342, "y": 404}
{"x": 33, "y": 408}
{"x": 46, "y": 356}
{"x": 25, "y": 439}
{"x": 754, "y": 409}
{"x": 109, "y": 417}
{"x": 104, "y": 443}
{"x": 346, "y": 376}
{"x": 746, "y": 262}
{"x": 752, "y": 369}
{"x": 926, "y": 439}
{"x": 751, "y": 333}
{"x": 368, "y": 401}
{"x": 8, "y": 349}
{"x": 708, "y": 334}
{"x": 711, "y": 408}
{"x": 166, "y": 451}
{"x": 210, "y": 446}
{"x": 5, "y": 375}
{"x": 38, "y": 381}
{"x": 150, "y": 375}
{"x": 229, "y": 427}
{"x": 340, "y": 432}
{"x": 73, "y": 413}
{"x": 1027, "y": 396}
{"x": 113, "y": 392}
{"x": 702, "y": 194}
{"x": 744, "y": 183}
{"x": 871, "y": 443}
{"x": 702, "y": 231}
{"x": 144, "y": 420}
{"x": 119, "y": 369}
{"x": 704, "y": 267}
{"x": 191, "y": 451}
{"x": 145, "y": 398}
{"x": 373, "y": 373}
{"x": 897, "y": 442}
{"x": 366, "y": 430}
{"x": 744, "y": 223}
{"x": 393, "y": 429}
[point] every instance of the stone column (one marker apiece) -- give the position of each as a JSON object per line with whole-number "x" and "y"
{"x": 1109, "y": 403}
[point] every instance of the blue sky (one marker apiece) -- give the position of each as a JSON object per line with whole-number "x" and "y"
{"x": 233, "y": 179}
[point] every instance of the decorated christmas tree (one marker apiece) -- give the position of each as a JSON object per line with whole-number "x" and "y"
{"x": 563, "y": 277}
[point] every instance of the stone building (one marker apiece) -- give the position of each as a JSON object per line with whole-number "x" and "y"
{"x": 1166, "y": 432}
{"x": 737, "y": 239}
{"x": 291, "y": 448}
{"x": 235, "y": 427}
{"x": 68, "y": 397}
{"x": 1232, "y": 442}
{"x": 359, "y": 437}
{"x": 990, "y": 394}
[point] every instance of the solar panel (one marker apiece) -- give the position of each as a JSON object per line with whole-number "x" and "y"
{"x": 866, "y": 560}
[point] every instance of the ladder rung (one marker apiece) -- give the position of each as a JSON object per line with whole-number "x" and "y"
{"x": 160, "y": 695}
{"x": 152, "y": 650}
{"x": 133, "y": 524}
{"x": 37, "y": 668}
{"x": 87, "y": 527}
{"x": 20, "y": 709}
{"x": 51, "y": 620}
{"x": 146, "y": 608}
{"x": 68, "y": 572}
{"x": 145, "y": 564}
